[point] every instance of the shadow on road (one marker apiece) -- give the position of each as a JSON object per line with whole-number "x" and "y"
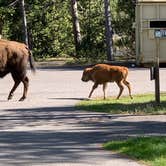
{"x": 61, "y": 68}
{"x": 25, "y": 137}
{"x": 67, "y": 98}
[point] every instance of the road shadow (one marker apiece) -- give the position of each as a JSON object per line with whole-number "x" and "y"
{"x": 63, "y": 134}
{"x": 67, "y": 98}
{"x": 62, "y": 68}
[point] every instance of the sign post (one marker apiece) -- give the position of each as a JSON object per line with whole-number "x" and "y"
{"x": 151, "y": 37}
{"x": 158, "y": 34}
{"x": 157, "y": 73}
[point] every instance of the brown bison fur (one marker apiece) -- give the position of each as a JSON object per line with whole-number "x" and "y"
{"x": 14, "y": 57}
{"x": 103, "y": 73}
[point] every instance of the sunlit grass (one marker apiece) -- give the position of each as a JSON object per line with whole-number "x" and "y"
{"x": 140, "y": 104}
{"x": 151, "y": 150}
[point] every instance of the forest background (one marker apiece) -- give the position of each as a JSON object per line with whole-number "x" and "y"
{"x": 50, "y": 27}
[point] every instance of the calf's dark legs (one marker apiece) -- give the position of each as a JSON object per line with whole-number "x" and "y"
{"x": 26, "y": 85}
{"x": 104, "y": 88}
{"x": 121, "y": 88}
{"x": 17, "y": 77}
{"x": 16, "y": 83}
{"x": 93, "y": 88}
{"x": 129, "y": 87}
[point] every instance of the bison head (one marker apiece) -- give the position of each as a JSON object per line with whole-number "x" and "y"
{"x": 86, "y": 76}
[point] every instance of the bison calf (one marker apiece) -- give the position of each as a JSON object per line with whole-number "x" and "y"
{"x": 14, "y": 57}
{"x": 103, "y": 73}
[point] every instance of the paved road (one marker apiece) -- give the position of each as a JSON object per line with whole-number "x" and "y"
{"x": 47, "y": 130}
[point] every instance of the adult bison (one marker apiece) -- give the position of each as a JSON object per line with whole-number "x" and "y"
{"x": 103, "y": 73}
{"x": 14, "y": 57}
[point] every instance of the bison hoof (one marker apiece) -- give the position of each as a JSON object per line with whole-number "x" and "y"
{"x": 22, "y": 98}
{"x": 10, "y": 97}
{"x": 89, "y": 98}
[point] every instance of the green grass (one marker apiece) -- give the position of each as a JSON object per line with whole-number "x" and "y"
{"x": 151, "y": 150}
{"x": 140, "y": 104}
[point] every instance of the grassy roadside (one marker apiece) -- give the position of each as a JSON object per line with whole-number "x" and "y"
{"x": 150, "y": 150}
{"x": 140, "y": 104}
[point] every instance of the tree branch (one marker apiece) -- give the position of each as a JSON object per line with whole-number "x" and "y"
{"x": 13, "y": 3}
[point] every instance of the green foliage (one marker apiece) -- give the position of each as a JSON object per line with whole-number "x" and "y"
{"x": 92, "y": 29}
{"x": 124, "y": 18}
{"x": 50, "y": 27}
{"x": 5, "y": 20}
{"x": 148, "y": 149}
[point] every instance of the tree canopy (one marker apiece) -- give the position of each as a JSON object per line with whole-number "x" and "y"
{"x": 50, "y": 27}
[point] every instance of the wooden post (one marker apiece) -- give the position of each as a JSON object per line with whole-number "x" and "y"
{"x": 157, "y": 74}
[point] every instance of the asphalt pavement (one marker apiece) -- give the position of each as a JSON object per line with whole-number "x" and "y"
{"x": 47, "y": 130}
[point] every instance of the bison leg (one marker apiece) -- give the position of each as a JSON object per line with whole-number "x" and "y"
{"x": 26, "y": 84}
{"x": 16, "y": 83}
{"x": 93, "y": 88}
{"x": 129, "y": 87}
{"x": 104, "y": 88}
{"x": 121, "y": 89}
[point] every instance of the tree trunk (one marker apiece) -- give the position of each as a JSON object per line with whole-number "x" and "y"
{"x": 1, "y": 27}
{"x": 108, "y": 29}
{"x": 24, "y": 22}
{"x": 76, "y": 25}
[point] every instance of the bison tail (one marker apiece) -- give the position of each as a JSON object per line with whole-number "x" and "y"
{"x": 125, "y": 74}
{"x": 32, "y": 62}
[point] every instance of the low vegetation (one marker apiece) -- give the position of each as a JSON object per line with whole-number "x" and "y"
{"x": 140, "y": 104}
{"x": 150, "y": 150}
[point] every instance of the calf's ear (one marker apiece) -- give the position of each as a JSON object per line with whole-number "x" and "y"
{"x": 87, "y": 70}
